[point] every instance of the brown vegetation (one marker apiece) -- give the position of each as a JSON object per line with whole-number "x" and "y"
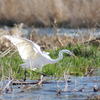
{"x": 45, "y": 41}
{"x": 73, "y": 13}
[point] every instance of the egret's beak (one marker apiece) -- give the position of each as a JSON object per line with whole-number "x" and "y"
{"x": 74, "y": 56}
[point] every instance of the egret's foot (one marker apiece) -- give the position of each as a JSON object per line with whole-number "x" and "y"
{"x": 40, "y": 84}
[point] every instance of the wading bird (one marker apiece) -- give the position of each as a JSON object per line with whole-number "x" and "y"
{"x": 32, "y": 55}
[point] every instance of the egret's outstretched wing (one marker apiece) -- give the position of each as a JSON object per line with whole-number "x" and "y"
{"x": 27, "y": 49}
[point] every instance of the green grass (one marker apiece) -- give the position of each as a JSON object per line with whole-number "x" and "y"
{"x": 89, "y": 57}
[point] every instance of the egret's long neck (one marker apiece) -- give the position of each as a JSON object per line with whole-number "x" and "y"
{"x": 60, "y": 56}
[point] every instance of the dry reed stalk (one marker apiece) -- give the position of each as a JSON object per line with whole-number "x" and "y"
{"x": 59, "y": 41}
{"x": 7, "y": 86}
{"x": 59, "y": 92}
{"x": 75, "y": 84}
{"x": 5, "y": 52}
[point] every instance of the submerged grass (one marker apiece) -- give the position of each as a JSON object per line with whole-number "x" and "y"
{"x": 89, "y": 58}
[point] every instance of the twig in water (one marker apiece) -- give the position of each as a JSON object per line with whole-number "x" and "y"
{"x": 38, "y": 84}
{"x": 75, "y": 84}
{"x": 58, "y": 90}
{"x": 66, "y": 85}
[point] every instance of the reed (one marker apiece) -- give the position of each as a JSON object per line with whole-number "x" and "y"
{"x": 68, "y": 13}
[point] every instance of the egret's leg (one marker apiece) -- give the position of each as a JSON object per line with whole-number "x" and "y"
{"x": 40, "y": 80}
{"x": 25, "y": 74}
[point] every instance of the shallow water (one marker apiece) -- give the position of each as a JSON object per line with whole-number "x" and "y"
{"x": 68, "y": 31}
{"x": 60, "y": 31}
{"x": 78, "y": 88}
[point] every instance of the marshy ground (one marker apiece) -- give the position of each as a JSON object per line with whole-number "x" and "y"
{"x": 85, "y": 46}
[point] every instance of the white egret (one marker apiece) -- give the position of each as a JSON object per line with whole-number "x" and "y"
{"x": 32, "y": 55}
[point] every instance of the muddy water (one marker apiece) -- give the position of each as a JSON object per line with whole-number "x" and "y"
{"x": 77, "y": 88}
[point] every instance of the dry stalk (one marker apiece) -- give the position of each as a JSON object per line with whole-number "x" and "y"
{"x": 58, "y": 93}
{"x": 5, "y": 52}
{"x": 75, "y": 84}
{"x": 61, "y": 44}
{"x": 66, "y": 85}
{"x": 7, "y": 86}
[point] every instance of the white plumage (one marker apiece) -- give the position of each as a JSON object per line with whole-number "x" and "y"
{"x": 31, "y": 53}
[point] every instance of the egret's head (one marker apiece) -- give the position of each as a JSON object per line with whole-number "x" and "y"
{"x": 70, "y": 53}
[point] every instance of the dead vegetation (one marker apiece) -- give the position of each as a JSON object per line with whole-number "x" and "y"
{"x": 73, "y": 13}
{"x": 45, "y": 41}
